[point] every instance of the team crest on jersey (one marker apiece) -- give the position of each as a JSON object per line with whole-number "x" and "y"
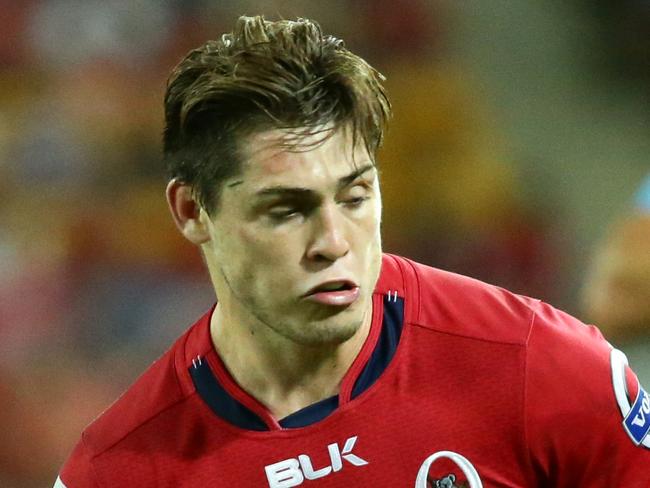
{"x": 448, "y": 481}
{"x": 634, "y": 406}
{"x": 429, "y": 475}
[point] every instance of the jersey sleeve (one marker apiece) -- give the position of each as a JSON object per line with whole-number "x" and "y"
{"x": 587, "y": 417}
{"x": 77, "y": 472}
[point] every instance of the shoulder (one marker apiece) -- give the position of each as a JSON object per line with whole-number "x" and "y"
{"x": 160, "y": 388}
{"x": 568, "y": 369}
{"x": 582, "y": 407}
{"x": 459, "y": 305}
{"x": 147, "y": 420}
{"x": 582, "y": 403}
{"x": 565, "y": 355}
{"x": 155, "y": 391}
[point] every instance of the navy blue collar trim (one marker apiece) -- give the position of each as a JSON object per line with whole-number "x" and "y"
{"x": 310, "y": 414}
{"x": 391, "y": 331}
{"x": 234, "y": 412}
{"x": 220, "y": 402}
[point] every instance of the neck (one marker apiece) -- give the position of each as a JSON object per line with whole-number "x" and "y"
{"x": 283, "y": 375}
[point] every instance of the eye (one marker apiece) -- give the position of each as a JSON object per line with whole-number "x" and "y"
{"x": 283, "y": 213}
{"x": 355, "y": 202}
{"x": 356, "y": 196}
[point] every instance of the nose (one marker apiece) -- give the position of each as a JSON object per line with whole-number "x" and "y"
{"x": 329, "y": 242}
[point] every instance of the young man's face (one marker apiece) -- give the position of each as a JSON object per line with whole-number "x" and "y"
{"x": 295, "y": 246}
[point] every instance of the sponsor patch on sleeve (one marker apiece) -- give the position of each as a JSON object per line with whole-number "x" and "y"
{"x": 636, "y": 415}
{"x": 637, "y": 421}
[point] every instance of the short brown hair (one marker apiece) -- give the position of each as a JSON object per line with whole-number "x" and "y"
{"x": 264, "y": 75}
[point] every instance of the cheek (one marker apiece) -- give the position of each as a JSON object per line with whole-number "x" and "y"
{"x": 238, "y": 252}
{"x": 265, "y": 249}
{"x": 267, "y": 266}
{"x": 371, "y": 224}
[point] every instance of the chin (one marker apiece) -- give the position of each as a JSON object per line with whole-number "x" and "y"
{"x": 328, "y": 333}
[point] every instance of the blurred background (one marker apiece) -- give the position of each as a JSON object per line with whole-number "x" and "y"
{"x": 517, "y": 155}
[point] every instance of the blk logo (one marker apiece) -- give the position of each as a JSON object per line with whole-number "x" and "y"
{"x": 293, "y": 471}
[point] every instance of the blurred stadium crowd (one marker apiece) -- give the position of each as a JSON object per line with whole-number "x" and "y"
{"x": 95, "y": 282}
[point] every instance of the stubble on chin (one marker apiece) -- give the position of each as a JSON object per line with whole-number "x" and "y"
{"x": 330, "y": 334}
{"x": 330, "y": 330}
{"x": 322, "y": 326}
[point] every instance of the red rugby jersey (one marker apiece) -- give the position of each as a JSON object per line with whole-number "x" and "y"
{"x": 458, "y": 384}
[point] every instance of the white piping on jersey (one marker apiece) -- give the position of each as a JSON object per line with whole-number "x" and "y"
{"x": 619, "y": 362}
{"x": 392, "y": 298}
{"x": 196, "y": 362}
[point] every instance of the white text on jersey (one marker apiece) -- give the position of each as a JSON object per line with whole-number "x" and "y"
{"x": 293, "y": 471}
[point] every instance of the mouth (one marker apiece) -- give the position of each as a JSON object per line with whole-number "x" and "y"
{"x": 334, "y": 292}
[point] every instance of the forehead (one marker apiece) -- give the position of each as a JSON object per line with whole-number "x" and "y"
{"x": 279, "y": 157}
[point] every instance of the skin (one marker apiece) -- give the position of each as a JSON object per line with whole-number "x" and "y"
{"x": 292, "y": 220}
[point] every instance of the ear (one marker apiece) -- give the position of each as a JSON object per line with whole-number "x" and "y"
{"x": 186, "y": 211}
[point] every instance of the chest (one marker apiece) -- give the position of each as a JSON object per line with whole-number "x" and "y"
{"x": 441, "y": 422}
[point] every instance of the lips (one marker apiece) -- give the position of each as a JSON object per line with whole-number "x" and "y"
{"x": 334, "y": 292}
{"x": 332, "y": 285}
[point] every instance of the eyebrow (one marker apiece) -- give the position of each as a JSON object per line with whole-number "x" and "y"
{"x": 289, "y": 190}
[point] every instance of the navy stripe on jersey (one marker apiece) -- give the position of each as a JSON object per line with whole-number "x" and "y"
{"x": 231, "y": 410}
{"x": 310, "y": 414}
{"x": 391, "y": 330}
{"x": 220, "y": 401}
